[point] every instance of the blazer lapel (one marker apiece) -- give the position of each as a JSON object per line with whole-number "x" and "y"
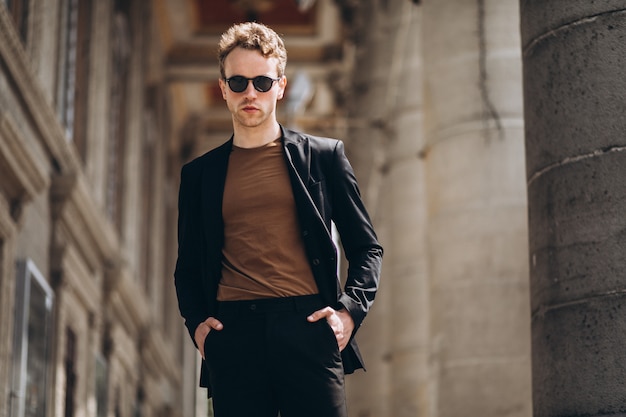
{"x": 298, "y": 154}
{"x": 213, "y": 180}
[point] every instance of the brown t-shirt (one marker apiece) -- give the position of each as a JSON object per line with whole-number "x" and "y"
{"x": 263, "y": 251}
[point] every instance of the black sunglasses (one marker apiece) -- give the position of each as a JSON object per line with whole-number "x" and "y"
{"x": 239, "y": 83}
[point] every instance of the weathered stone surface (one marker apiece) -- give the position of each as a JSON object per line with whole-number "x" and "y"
{"x": 578, "y": 241}
{"x": 579, "y": 360}
{"x": 574, "y": 87}
{"x": 476, "y": 200}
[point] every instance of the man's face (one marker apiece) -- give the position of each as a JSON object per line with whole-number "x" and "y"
{"x": 252, "y": 108}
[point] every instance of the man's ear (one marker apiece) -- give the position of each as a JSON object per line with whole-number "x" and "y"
{"x": 223, "y": 87}
{"x": 282, "y": 84}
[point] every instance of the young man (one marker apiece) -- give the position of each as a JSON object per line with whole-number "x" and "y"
{"x": 256, "y": 275}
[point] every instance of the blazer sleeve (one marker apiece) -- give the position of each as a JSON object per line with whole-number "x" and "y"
{"x": 359, "y": 241}
{"x": 188, "y": 275}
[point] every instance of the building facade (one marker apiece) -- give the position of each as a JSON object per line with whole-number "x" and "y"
{"x": 89, "y": 324}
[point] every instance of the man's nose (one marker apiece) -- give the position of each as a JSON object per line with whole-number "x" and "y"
{"x": 250, "y": 91}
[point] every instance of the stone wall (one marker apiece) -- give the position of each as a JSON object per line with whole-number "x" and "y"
{"x": 112, "y": 285}
{"x": 438, "y": 146}
{"x": 574, "y": 83}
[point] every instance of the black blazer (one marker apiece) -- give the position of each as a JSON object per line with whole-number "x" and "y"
{"x": 324, "y": 189}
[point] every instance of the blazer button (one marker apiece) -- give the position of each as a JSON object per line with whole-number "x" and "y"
{"x": 305, "y": 233}
{"x": 316, "y": 262}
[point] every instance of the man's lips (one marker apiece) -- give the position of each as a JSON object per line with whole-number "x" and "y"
{"x": 249, "y": 109}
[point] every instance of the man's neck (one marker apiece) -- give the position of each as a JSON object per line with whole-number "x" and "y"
{"x": 254, "y": 137}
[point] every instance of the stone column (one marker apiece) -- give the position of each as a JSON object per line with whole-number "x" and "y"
{"x": 7, "y": 297}
{"x": 384, "y": 143}
{"x": 98, "y": 129}
{"x": 406, "y": 267}
{"x": 368, "y": 393}
{"x": 574, "y": 56}
{"x": 477, "y": 230}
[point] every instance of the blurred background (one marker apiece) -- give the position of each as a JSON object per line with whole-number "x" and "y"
{"x": 487, "y": 137}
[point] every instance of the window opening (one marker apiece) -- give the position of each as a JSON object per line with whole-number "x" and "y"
{"x": 31, "y": 343}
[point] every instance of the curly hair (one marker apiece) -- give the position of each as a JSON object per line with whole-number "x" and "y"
{"x": 253, "y": 36}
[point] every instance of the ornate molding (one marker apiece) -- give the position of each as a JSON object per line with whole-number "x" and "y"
{"x": 45, "y": 121}
{"x": 80, "y": 222}
{"x": 124, "y": 351}
{"x": 158, "y": 357}
{"x": 126, "y": 301}
{"x": 7, "y": 225}
{"x": 21, "y": 175}
{"x": 76, "y": 276}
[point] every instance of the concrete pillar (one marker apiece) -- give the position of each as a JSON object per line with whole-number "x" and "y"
{"x": 385, "y": 139}
{"x": 7, "y": 301}
{"x": 406, "y": 265}
{"x": 134, "y": 138}
{"x": 574, "y": 56}
{"x": 477, "y": 230}
{"x": 368, "y": 393}
{"x": 98, "y": 129}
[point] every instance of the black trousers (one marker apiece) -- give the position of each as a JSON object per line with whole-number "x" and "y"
{"x": 268, "y": 359}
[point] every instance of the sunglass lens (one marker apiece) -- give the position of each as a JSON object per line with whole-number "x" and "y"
{"x": 262, "y": 83}
{"x": 238, "y": 83}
